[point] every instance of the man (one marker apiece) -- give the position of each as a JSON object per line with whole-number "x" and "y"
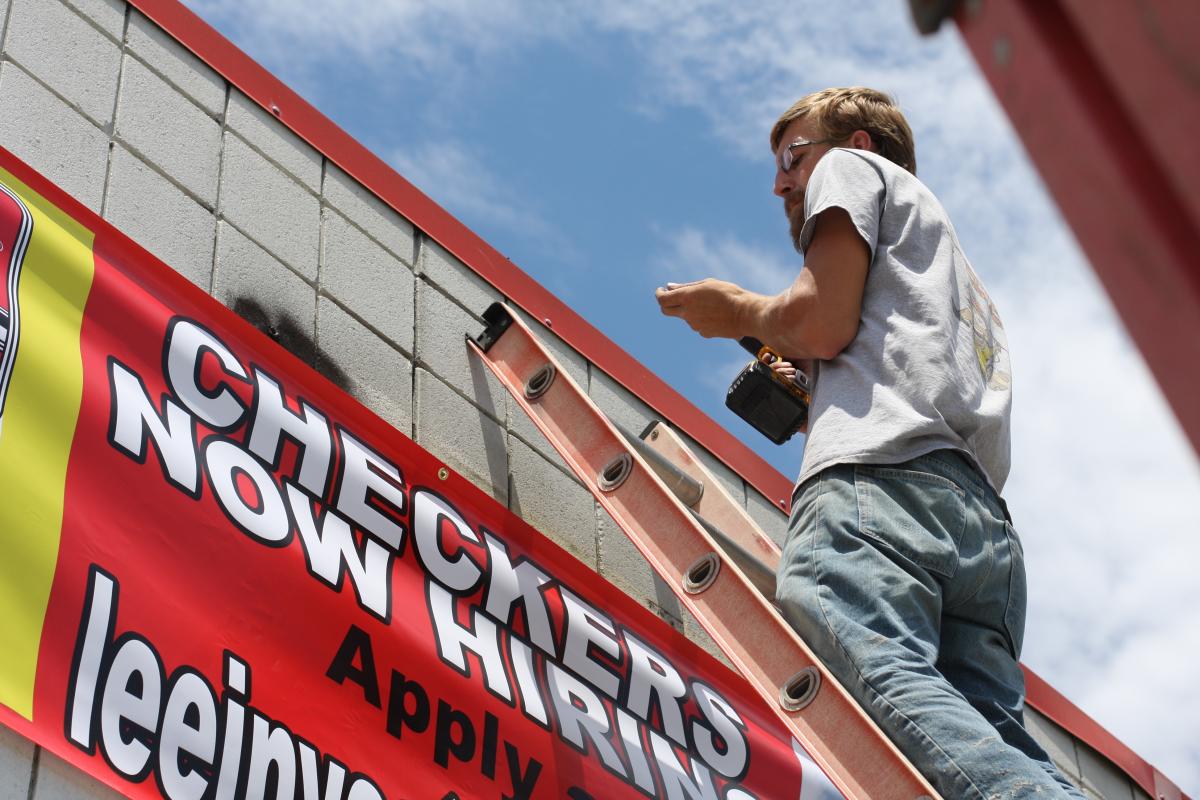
{"x": 901, "y": 568}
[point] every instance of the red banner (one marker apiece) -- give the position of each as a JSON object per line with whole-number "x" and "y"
{"x": 222, "y": 577}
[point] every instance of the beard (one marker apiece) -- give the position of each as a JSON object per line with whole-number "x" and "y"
{"x": 793, "y": 207}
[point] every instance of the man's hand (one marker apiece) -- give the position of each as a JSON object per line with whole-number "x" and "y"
{"x": 711, "y": 307}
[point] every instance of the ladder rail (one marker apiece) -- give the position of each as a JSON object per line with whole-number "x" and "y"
{"x": 856, "y": 756}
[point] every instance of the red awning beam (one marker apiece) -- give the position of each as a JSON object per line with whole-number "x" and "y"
{"x": 1106, "y": 98}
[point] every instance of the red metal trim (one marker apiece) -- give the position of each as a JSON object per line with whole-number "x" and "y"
{"x": 1105, "y": 101}
{"x": 1146, "y": 54}
{"x": 1049, "y": 702}
{"x": 253, "y": 80}
{"x": 336, "y": 145}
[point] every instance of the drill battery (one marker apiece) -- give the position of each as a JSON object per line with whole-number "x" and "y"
{"x": 775, "y": 405}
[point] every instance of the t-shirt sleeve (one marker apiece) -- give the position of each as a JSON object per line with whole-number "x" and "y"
{"x": 849, "y": 182}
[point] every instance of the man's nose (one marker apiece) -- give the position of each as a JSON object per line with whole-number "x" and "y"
{"x": 783, "y": 183}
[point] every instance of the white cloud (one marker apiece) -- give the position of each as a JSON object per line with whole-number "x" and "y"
{"x": 413, "y": 37}
{"x": 692, "y": 253}
{"x": 456, "y": 177}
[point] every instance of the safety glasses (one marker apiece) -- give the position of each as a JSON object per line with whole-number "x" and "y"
{"x": 787, "y": 156}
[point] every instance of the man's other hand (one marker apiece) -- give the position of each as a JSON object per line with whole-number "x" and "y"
{"x": 711, "y": 307}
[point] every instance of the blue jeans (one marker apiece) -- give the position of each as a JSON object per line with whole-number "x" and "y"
{"x": 909, "y": 583}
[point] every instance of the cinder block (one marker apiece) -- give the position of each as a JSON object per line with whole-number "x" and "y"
{"x": 455, "y": 278}
{"x": 368, "y": 279}
{"x": 58, "y": 780}
{"x": 619, "y": 404}
{"x": 270, "y": 207}
{"x": 172, "y": 61}
{"x": 767, "y": 515}
{"x": 167, "y": 129}
{"x": 554, "y": 503}
{"x": 370, "y": 213}
{"x": 261, "y": 129}
{"x": 623, "y": 565}
{"x": 16, "y": 763}
{"x": 467, "y": 440}
{"x": 441, "y": 347}
{"x": 380, "y": 375}
{"x": 51, "y": 138}
{"x": 522, "y": 428}
{"x": 108, "y": 15}
{"x": 160, "y": 217}
{"x": 1102, "y": 777}
{"x": 1057, "y": 743}
{"x": 245, "y": 270}
{"x": 67, "y": 53}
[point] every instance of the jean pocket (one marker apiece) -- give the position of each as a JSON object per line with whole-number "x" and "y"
{"x": 919, "y": 515}
{"x": 1018, "y": 590}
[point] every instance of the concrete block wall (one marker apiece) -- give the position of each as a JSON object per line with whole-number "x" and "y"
{"x": 1098, "y": 777}
{"x": 112, "y": 109}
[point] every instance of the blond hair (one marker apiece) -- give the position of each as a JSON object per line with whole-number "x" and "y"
{"x": 838, "y": 113}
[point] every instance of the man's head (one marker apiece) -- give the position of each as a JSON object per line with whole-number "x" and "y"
{"x": 837, "y": 113}
{"x": 854, "y": 117}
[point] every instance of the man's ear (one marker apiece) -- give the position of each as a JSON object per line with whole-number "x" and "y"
{"x": 861, "y": 140}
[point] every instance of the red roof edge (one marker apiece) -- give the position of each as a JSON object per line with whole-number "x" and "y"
{"x": 1047, "y": 700}
{"x": 258, "y": 84}
{"x": 253, "y": 80}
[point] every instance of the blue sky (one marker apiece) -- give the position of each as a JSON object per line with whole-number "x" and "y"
{"x": 610, "y": 147}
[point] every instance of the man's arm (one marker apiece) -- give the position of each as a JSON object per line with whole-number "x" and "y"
{"x": 816, "y": 317}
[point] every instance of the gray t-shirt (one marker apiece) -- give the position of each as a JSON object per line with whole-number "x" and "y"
{"x": 929, "y": 368}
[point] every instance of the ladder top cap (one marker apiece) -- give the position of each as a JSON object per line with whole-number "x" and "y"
{"x": 498, "y": 319}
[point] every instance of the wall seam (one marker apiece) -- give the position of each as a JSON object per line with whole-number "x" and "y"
{"x": 167, "y": 80}
{"x": 354, "y": 315}
{"x": 322, "y": 205}
{"x": 79, "y": 12}
{"x": 445, "y": 292}
{"x": 259, "y": 151}
{"x": 69, "y": 104}
{"x": 325, "y": 203}
{"x": 218, "y": 218}
{"x": 4, "y": 33}
{"x": 206, "y": 205}
{"x": 535, "y": 448}
{"x": 112, "y": 124}
{"x": 596, "y": 508}
{"x": 33, "y": 771}
{"x": 511, "y": 483}
{"x": 375, "y": 239}
{"x": 418, "y": 250}
{"x": 427, "y": 368}
{"x": 307, "y": 280}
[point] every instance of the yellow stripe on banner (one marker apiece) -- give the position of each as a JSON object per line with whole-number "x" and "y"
{"x": 36, "y": 432}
